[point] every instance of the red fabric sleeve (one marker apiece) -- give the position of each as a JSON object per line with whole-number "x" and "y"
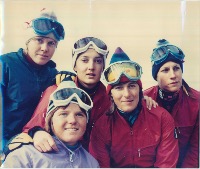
{"x": 192, "y": 155}
{"x": 38, "y": 118}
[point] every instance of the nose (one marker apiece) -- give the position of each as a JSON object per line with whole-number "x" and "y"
{"x": 172, "y": 73}
{"x": 91, "y": 65}
{"x": 44, "y": 47}
{"x": 126, "y": 92}
{"x": 71, "y": 119}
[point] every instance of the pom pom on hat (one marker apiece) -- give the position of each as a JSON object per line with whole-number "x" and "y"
{"x": 170, "y": 57}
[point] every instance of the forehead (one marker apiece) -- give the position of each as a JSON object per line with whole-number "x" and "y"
{"x": 125, "y": 83}
{"x": 48, "y": 39}
{"x": 170, "y": 63}
{"x": 71, "y": 108}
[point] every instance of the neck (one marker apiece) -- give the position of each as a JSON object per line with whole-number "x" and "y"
{"x": 168, "y": 96}
{"x": 91, "y": 91}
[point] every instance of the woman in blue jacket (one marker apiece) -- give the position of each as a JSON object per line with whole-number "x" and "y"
{"x": 28, "y": 72}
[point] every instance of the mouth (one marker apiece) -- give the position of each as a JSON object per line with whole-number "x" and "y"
{"x": 127, "y": 101}
{"x": 90, "y": 74}
{"x": 42, "y": 55}
{"x": 174, "y": 83}
{"x": 71, "y": 129}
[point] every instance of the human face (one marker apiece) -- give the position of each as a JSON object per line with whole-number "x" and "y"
{"x": 41, "y": 49}
{"x": 89, "y": 67}
{"x": 69, "y": 124}
{"x": 126, "y": 96}
{"x": 169, "y": 77}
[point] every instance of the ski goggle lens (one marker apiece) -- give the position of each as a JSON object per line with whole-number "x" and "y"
{"x": 83, "y": 42}
{"x": 131, "y": 70}
{"x": 45, "y": 26}
{"x": 161, "y": 53}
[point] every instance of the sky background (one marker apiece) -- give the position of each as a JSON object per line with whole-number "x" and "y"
{"x": 133, "y": 25}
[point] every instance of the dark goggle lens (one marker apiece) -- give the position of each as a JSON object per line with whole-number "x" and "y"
{"x": 83, "y": 42}
{"x": 162, "y": 51}
{"x": 66, "y": 93}
{"x": 46, "y": 25}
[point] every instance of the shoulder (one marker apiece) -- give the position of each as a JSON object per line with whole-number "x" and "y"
{"x": 104, "y": 122}
{"x": 8, "y": 56}
{"x": 90, "y": 159}
{"x": 158, "y": 112}
{"x": 22, "y": 152}
{"x": 49, "y": 90}
{"x": 51, "y": 64}
{"x": 196, "y": 94}
{"x": 150, "y": 90}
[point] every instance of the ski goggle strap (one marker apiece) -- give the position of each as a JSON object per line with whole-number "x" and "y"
{"x": 161, "y": 53}
{"x": 44, "y": 26}
{"x": 65, "y": 96}
{"x": 130, "y": 69}
{"x": 83, "y": 44}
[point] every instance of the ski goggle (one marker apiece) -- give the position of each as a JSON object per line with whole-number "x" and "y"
{"x": 83, "y": 44}
{"x": 161, "y": 53}
{"x": 65, "y": 96}
{"x": 44, "y": 26}
{"x": 130, "y": 69}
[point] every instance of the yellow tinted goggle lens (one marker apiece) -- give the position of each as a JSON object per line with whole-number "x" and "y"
{"x": 114, "y": 72}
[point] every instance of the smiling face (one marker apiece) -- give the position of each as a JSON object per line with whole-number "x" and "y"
{"x": 126, "y": 96}
{"x": 89, "y": 67}
{"x": 169, "y": 77}
{"x": 69, "y": 124}
{"x": 40, "y": 50}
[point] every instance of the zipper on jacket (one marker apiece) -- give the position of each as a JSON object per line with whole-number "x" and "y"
{"x": 176, "y": 132}
{"x": 70, "y": 157}
{"x": 131, "y": 132}
{"x": 139, "y": 152}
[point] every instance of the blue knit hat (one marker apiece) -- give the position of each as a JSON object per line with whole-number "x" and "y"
{"x": 120, "y": 56}
{"x": 170, "y": 57}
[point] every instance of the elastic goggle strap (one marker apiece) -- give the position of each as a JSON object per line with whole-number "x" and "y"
{"x": 44, "y": 26}
{"x": 161, "y": 53}
{"x": 130, "y": 69}
{"x": 65, "y": 96}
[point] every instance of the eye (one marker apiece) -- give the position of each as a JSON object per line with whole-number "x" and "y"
{"x": 84, "y": 60}
{"x": 176, "y": 68}
{"x": 63, "y": 114}
{"x": 165, "y": 70}
{"x": 80, "y": 114}
{"x": 132, "y": 85}
{"x": 99, "y": 60}
{"x": 52, "y": 44}
{"x": 118, "y": 87}
{"x": 39, "y": 40}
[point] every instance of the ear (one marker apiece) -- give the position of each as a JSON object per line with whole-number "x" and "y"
{"x": 52, "y": 126}
{"x": 75, "y": 68}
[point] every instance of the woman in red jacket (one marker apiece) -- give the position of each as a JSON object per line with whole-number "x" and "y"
{"x": 180, "y": 100}
{"x": 131, "y": 135}
{"x": 88, "y": 61}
